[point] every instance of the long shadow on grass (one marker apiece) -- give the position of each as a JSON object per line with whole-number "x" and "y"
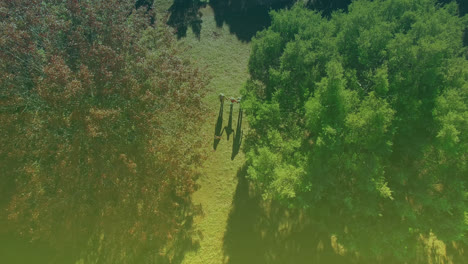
{"x": 184, "y": 14}
{"x": 246, "y": 17}
{"x": 236, "y": 143}
{"x": 260, "y": 232}
{"x": 228, "y": 128}
{"x": 218, "y": 127}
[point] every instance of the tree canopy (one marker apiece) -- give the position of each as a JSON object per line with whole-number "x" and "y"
{"x": 98, "y": 112}
{"x": 363, "y": 119}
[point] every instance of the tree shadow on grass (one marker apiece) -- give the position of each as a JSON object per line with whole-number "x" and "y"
{"x": 245, "y": 17}
{"x": 187, "y": 239}
{"x": 184, "y": 14}
{"x": 261, "y": 232}
{"x": 17, "y": 249}
{"x": 13, "y": 248}
{"x": 267, "y": 232}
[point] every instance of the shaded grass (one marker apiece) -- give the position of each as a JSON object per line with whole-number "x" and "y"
{"x": 267, "y": 232}
{"x": 17, "y": 250}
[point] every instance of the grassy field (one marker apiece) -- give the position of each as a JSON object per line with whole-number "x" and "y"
{"x": 237, "y": 226}
{"x": 225, "y": 58}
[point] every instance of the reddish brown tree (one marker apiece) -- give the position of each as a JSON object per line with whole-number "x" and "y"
{"x": 98, "y": 115}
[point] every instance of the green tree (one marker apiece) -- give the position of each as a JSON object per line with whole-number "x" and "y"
{"x": 362, "y": 119}
{"x": 98, "y": 112}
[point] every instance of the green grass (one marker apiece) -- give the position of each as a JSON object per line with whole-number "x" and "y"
{"x": 223, "y": 55}
{"x": 237, "y": 226}
{"x": 225, "y": 59}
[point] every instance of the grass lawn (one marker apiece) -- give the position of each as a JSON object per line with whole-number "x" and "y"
{"x": 225, "y": 58}
{"x": 236, "y": 225}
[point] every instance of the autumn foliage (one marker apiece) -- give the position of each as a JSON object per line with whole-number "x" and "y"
{"x": 98, "y": 113}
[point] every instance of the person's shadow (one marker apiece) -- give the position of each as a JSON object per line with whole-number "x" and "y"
{"x": 218, "y": 127}
{"x": 228, "y": 128}
{"x": 237, "y": 136}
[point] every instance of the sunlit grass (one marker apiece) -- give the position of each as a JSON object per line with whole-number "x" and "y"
{"x": 225, "y": 59}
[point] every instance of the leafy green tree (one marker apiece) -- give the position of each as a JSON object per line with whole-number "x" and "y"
{"x": 98, "y": 112}
{"x": 362, "y": 119}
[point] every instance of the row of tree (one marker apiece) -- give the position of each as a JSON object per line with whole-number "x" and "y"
{"x": 97, "y": 113}
{"x": 246, "y": 17}
{"x": 363, "y": 120}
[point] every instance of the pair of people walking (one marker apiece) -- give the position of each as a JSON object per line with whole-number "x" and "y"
{"x": 219, "y": 130}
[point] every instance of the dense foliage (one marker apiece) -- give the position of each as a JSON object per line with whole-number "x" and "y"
{"x": 97, "y": 114}
{"x": 363, "y": 119}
